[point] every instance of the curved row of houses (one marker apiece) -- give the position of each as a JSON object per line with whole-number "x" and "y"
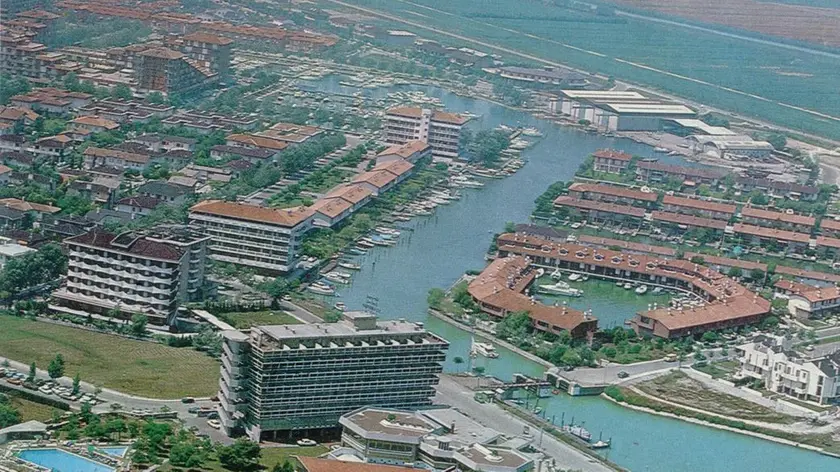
{"x": 722, "y": 302}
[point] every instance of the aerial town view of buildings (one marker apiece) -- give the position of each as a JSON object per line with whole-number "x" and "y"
{"x": 367, "y": 236}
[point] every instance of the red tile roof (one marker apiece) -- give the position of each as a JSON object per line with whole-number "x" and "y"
{"x": 688, "y": 220}
{"x": 398, "y": 168}
{"x": 352, "y": 193}
{"x": 140, "y": 246}
{"x": 288, "y": 217}
{"x": 825, "y": 241}
{"x": 405, "y": 150}
{"x": 312, "y": 464}
{"x": 698, "y": 204}
{"x": 785, "y": 217}
{"x": 599, "y": 206}
{"x": 258, "y": 141}
{"x": 379, "y": 179}
{"x": 611, "y": 154}
{"x": 771, "y": 233}
{"x": 613, "y": 190}
{"x": 208, "y": 38}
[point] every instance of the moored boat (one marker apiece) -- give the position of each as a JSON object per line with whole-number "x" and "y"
{"x": 560, "y": 288}
{"x": 349, "y": 265}
{"x": 641, "y": 289}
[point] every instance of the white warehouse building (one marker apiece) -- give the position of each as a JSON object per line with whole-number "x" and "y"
{"x": 618, "y": 110}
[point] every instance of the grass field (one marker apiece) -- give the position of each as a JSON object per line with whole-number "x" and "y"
{"x": 269, "y": 458}
{"x": 254, "y": 318}
{"x": 677, "y": 387}
{"x": 743, "y": 77}
{"x": 135, "y": 367}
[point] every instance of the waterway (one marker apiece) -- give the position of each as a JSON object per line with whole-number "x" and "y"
{"x": 438, "y": 249}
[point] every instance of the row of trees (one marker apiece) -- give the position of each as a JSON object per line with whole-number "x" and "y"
{"x": 32, "y": 269}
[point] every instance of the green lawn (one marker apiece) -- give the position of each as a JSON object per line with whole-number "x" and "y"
{"x": 248, "y": 319}
{"x": 270, "y": 457}
{"x": 718, "y": 369}
{"x": 136, "y": 367}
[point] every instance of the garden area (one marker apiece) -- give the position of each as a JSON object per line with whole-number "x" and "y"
{"x": 247, "y": 319}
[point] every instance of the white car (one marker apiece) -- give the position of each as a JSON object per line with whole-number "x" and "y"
{"x": 215, "y": 424}
{"x": 306, "y": 442}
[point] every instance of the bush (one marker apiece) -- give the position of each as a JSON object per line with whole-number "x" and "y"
{"x": 615, "y": 393}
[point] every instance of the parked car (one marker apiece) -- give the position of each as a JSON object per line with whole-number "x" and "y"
{"x": 188, "y": 400}
{"x": 306, "y": 442}
{"x": 215, "y": 424}
{"x": 623, "y": 375}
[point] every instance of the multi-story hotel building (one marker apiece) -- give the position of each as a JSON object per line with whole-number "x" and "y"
{"x": 440, "y": 130}
{"x": 276, "y": 380}
{"x": 267, "y": 239}
{"x": 149, "y": 273}
{"x": 211, "y": 50}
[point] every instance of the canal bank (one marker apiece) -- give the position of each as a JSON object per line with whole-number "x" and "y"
{"x": 443, "y": 246}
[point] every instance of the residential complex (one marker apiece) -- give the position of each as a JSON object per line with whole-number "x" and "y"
{"x": 149, "y": 273}
{"x": 721, "y": 301}
{"x": 440, "y": 130}
{"x": 439, "y": 439}
{"x": 278, "y": 381}
{"x": 265, "y": 239}
{"x": 771, "y": 360}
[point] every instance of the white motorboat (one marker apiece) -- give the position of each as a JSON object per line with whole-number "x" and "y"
{"x": 560, "y": 288}
{"x": 340, "y": 306}
{"x": 574, "y": 277}
{"x": 350, "y": 265}
{"x": 641, "y": 289}
{"x": 336, "y": 279}
{"x": 657, "y": 290}
{"x": 321, "y": 289}
{"x": 365, "y": 243}
{"x": 556, "y": 275}
{"x": 660, "y": 149}
{"x": 531, "y": 132}
{"x": 485, "y": 349}
{"x": 628, "y": 286}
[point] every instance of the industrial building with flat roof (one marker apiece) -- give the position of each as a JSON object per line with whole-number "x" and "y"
{"x": 281, "y": 381}
{"x": 618, "y": 110}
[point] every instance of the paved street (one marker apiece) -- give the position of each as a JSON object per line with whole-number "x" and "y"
{"x": 451, "y": 393}
{"x": 609, "y": 375}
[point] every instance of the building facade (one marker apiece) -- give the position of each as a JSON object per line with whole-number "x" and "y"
{"x": 147, "y": 273}
{"x": 440, "y": 130}
{"x": 278, "y": 380}
{"x": 266, "y": 239}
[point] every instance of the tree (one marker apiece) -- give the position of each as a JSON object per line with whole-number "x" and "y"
{"x": 435, "y": 297}
{"x": 155, "y": 98}
{"x": 514, "y": 326}
{"x": 116, "y": 426}
{"x": 186, "y": 454}
{"x": 122, "y": 91}
{"x": 458, "y": 360}
{"x": 757, "y": 275}
{"x": 286, "y": 466}
{"x": 56, "y": 367}
{"x": 9, "y": 415}
{"x": 138, "y": 325}
{"x": 777, "y": 140}
{"x": 32, "y": 373}
{"x": 735, "y": 272}
{"x": 241, "y": 455}
{"x": 710, "y": 337}
{"x": 77, "y": 380}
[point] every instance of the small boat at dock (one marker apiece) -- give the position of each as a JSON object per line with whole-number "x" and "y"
{"x": 560, "y": 288}
{"x": 349, "y": 265}
{"x": 321, "y": 288}
{"x": 574, "y": 277}
{"x": 485, "y": 349}
{"x": 641, "y": 289}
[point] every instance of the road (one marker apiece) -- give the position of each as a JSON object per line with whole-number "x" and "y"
{"x": 449, "y": 392}
{"x": 126, "y": 401}
{"x": 609, "y": 375}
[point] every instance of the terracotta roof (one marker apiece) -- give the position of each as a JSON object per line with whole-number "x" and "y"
{"x": 128, "y": 243}
{"x": 96, "y": 121}
{"x": 239, "y": 164}
{"x": 243, "y": 151}
{"x": 208, "y": 38}
{"x": 331, "y": 207}
{"x": 696, "y": 317}
{"x": 288, "y": 217}
{"x": 405, "y": 150}
{"x": 611, "y": 154}
{"x": 416, "y": 112}
{"x": 627, "y": 245}
{"x": 698, "y": 204}
{"x": 258, "y": 141}
{"x": 398, "y": 167}
{"x": 791, "y": 286}
{"x": 688, "y": 220}
{"x": 5, "y": 169}
{"x": 599, "y": 206}
{"x": 22, "y": 205}
{"x": 830, "y": 224}
{"x": 772, "y": 184}
{"x": 312, "y": 464}
{"x": 15, "y": 114}
{"x": 352, "y": 193}
{"x": 822, "y": 294}
{"x": 825, "y": 241}
{"x": 752, "y": 212}
{"x": 614, "y": 190}
{"x": 772, "y": 233}
{"x": 162, "y": 53}
{"x": 501, "y": 285}
{"x": 378, "y": 179}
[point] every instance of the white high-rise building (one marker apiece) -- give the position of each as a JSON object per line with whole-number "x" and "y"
{"x": 438, "y": 129}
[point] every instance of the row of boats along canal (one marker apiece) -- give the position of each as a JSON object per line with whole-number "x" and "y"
{"x": 443, "y": 193}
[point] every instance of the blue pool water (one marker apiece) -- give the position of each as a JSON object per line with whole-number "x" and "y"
{"x": 116, "y": 451}
{"x": 62, "y": 461}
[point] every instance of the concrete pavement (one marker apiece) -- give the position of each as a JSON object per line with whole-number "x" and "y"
{"x": 450, "y": 392}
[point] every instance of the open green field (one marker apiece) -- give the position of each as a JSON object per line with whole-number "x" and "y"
{"x": 792, "y": 88}
{"x": 248, "y": 319}
{"x": 30, "y": 410}
{"x": 270, "y": 457}
{"x": 135, "y": 367}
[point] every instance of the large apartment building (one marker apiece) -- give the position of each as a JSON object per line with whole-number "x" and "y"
{"x": 440, "y": 130}
{"x": 279, "y": 380}
{"x": 267, "y": 239}
{"x": 149, "y": 273}
{"x": 211, "y": 50}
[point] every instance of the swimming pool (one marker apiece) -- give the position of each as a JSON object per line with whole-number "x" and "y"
{"x": 116, "y": 451}
{"x": 62, "y": 461}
